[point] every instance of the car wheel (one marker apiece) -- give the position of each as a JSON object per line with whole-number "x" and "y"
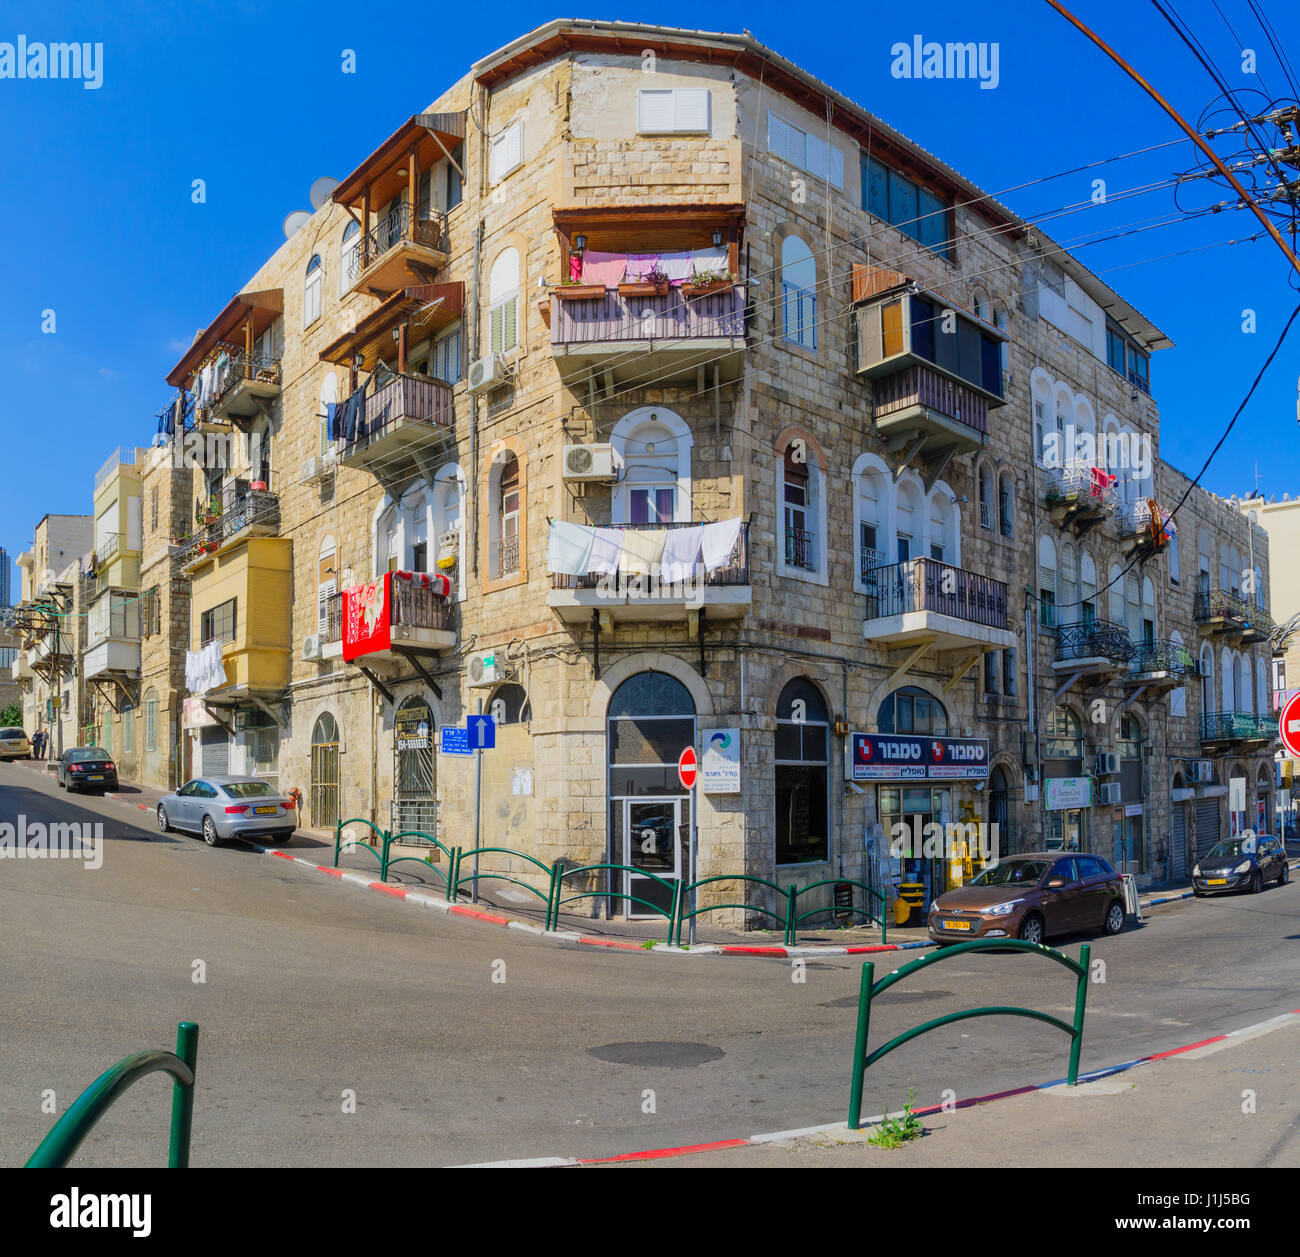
{"x": 1031, "y": 928}
{"x": 1256, "y": 882}
{"x": 163, "y": 826}
{"x": 1285, "y": 875}
{"x": 1114, "y": 921}
{"x": 210, "y": 832}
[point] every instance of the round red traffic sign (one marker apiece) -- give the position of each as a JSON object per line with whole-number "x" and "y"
{"x": 1288, "y": 726}
{"x": 688, "y": 768}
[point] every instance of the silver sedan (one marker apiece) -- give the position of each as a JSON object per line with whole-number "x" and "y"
{"x": 228, "y": 807}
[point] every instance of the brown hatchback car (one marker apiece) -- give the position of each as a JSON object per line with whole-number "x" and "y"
{"x": 1031, "y": 897}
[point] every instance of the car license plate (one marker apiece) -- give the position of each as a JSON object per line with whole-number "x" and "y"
{"x": 1216, "y": 881}
{"x": 954, "y": 925}
{"x": 266, "y": 811}
{"x": 96, "y": 777}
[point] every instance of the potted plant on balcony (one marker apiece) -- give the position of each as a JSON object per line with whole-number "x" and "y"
{"x": 576, "y": 290}
{"x": 709, "y": 280}
{"x": 653, "y": 283}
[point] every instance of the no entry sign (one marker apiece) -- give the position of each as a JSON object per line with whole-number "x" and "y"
{"x": 1288, "y": 726}
{"x": 688, "y": 768}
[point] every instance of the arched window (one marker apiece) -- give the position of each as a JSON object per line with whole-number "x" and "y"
{"x": 1228, "y": 669}
{"x": 387, "y": 543}
{"x": 1261, "y": 689}
{"x": 449, "y": 524}
{"x": 325, "y": 772}
{"x": 802, "y": 779}
{"x": 505, "y": 517}
{"x": 329, "y": 614}
{"x": 349, "y": 255}
{"x": 1047, "y": 598}
{"x": 648, "y": 492}
{"x": 798, "y": 293}
{"x": 1063, "y": 736}
{"x": 503, "y": 298}
{"x": 128, "y": 728}
{"x": 986, "y": 496}
{"x": 802, "y": 523}
{"x": 510, "y": 706}
{"x": 872, "y": 521}
{"x": 311, "y": 292}
{"x": 1132, "y": 605}
{"x": 415, "y": 527}
{"x": 1004, "y": 349}
{"x": 942, "y": 533}
{"x": 1207, "y": 679}
{"x": 912, "y": 710}
{"x": 1006, "y": 505}
{"x": 908, "y": 522}
{"x": 1203, "y": 561}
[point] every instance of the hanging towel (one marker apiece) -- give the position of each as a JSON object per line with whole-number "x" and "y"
{"x": 710, "y": 259}
{"x": 677, "y": 265}
{"x": 606, "y": 547}
{"x": 569, "y": 548}
{"x": 603, "y": 268}
{"x": 575, "y": 267}
{"x": 332, "y": 420}
{"x": 718, "y": 542}
{"x": 639, "y": 264}
{"x": 643, "y": 549}
{"x": 681, "y": 550}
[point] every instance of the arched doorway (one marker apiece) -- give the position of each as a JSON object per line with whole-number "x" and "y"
{"x": 325, "y": 772}
{"x": 415, "y": 803}
{"x": 651, "y": 720}
{"x": 999, "y": 816}
{"x": 1264, "y": 820}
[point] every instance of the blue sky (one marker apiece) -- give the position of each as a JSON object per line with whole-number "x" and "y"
{"x": 97, "y": 214}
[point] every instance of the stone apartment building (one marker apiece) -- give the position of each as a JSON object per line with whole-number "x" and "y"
{"x": 647, "y": 280}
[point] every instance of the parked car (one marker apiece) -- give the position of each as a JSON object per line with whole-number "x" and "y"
{"x": 86, "y": 768}
{"x": 14, "y": 744}
{"x": 1246, "y": 863}
{"x": 1032, "y": 897}
{"x": 228, "y": 807}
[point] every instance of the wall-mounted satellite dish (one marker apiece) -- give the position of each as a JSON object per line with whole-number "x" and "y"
{"x": 321, "y": 191}
{"x": 294, "y": 221}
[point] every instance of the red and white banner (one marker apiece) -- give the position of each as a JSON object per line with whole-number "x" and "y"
{"x": 366, "y": 617}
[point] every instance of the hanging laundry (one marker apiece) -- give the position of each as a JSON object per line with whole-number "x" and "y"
{"x": 710, "y": 259}
{"x": 643, "y": 549}
{"x": 331, "y": 420}
{"x": 678, "y": 266}
{"x": 718, "y": 542}
{"x": 606, "y": 550}
{"x": 568, "y": 550}
{"x": 681, "y": 552}
{"x": 575, "y": 267}
{"x": 603, "y": 268}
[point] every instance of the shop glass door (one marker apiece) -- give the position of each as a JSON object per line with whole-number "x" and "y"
{"x": 652, "y": 841}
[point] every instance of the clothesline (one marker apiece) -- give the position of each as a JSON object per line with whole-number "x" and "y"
{"x": 671, "y": 554}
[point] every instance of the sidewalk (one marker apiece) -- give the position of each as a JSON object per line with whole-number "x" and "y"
{"x": 1230, "y": 1101}
{"x": 503, "y": 904}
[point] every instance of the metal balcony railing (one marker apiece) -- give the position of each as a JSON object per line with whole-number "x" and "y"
{"x": 799, "y": 549}
{"x": 1215, "y": 604}
{"x": 1237, "y": 726}
{"x": 393, "y": 400}
{"x": 921, "y": 386}
{"x": 930, "y": 585}
{"x": 869, "y": 561}
{"x": 1083, "y": 483}
{"x": 1094, "y": 639}
{"x": 243, "y": 507}
{"x": 427, "y": 227}
{"x": 508, "y": 557}
{"x": 120, "y": 457}
{"x": 333, "y": 618}
{"x": 614, "y": 317}
{"x": 1163, "y": 656}
{"x": 734, "y": 572}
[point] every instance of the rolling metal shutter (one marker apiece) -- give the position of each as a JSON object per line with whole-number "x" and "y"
{"x": 1179, "y": 841}
{"x": 1207, "y": 825}
{"x": 215, "y": 753}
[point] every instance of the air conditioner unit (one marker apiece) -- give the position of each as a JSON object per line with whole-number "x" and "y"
{"x": 311, "y": 469}
{"x": 589, "y": 462}
{"x": 483, "y": 669}
{"x": 1110, "y": 792}
{"x": 1106, "y": 764}
{"x": 1203, "y": 771}
{"x": 489, "y": 372}
{"x": 311, "y": 646}
{"x": 448, "y": 550}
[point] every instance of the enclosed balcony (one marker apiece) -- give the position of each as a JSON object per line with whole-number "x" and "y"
{"x": 1224, "y": 730}
{"x": 662, "y": 583}
{"x": 392, "y": 422}
{"x": 1222, "y": 613}
{"x": 1161, "y": 665}
{"x": 924, "y": 600}
{"x": 1094, "y": 648}
{"x": 243, "y": 510}
{"x": 1080, "y": 496}
{"x": 113, "y": 637}
{"x": 399, "y": 616}
{"x": 403, "y": 238}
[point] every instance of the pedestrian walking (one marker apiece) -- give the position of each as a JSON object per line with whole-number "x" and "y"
{"x": 42, "y": 738}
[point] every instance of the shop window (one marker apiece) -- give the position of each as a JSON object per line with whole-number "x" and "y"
{"x": 802, "y": 778}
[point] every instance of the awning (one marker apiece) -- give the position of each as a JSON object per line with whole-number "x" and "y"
{"x": 426, "y": 308}
{"x": 260, "y": 309}
{"x": 428, "y": 133}
{"x": 637, "y": 228}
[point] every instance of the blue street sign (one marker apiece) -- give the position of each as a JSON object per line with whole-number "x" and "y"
{"x": 453, "y": 740}
{"x": 482, "y": 732}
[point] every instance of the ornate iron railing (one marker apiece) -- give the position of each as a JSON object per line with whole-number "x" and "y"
{"x": 1237, "y": 726}
{"x": 929, "y": 585}
{"x": 1163, "y": 656}
{"x": 244, "y": 508}
{"x": 1094, "y": 639}
{"x": 799, "y": 550}
{"x": 869, "y": 561}
{"x": 1216, "y": 604}
{"x": 1083, "y": 483}
{"x": 508, "y": 556}
{"x": 734, "y": 572}
{"x": 426, "y": 227}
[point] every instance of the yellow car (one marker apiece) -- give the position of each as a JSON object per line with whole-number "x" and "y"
{"x": 14, "y": 744}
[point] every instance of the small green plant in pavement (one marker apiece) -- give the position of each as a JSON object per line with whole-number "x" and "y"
{"x": 894, "y": 1132}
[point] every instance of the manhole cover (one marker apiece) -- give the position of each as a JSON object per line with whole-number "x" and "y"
{"x": 658, "y": 1055}
{"x": 894, "y": 997}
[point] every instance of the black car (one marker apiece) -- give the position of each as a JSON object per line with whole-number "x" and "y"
{"x": 1246, "y": 863}
{"x": 86, "y": 768}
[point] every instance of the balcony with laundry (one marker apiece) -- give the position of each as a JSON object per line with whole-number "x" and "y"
{"x": 399, "y": 209}
{"x": 1079, "y": 496}
{"x": 683, "y": 572}
{"x": 935, "y": 368}
{"x": 1237, "y": 731}
{"x": 232, "y": 370}
{"x": 399, "y": 412}
{"x": 648, "y": 294}
{"x": 1228, "y": 614}
{"x": 1145, "y": 529}
{"x": 229, "y": 514}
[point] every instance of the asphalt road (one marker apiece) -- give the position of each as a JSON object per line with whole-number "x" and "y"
{"x": 314, "y": 989}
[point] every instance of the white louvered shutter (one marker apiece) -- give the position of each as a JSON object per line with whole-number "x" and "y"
{"x": 655, "y": 111}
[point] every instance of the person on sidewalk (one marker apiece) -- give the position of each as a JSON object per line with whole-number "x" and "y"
{"x": 38, "y": 744}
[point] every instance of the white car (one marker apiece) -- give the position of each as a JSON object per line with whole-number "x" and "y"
{"x": 228, "y": 807}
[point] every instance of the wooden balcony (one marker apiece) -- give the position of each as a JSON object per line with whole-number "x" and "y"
{"x": 404, "y": 415}
{"x": 922, "y": 403}
{"x": 400, "y": 250}
{"x": 251, "y": 386}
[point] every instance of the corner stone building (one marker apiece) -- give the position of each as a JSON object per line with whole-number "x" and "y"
{"x": 868, "y": 377}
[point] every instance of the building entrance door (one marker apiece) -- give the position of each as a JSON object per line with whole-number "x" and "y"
{"x": 652, "y": 841}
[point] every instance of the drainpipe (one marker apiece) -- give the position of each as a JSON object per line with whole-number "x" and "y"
{"x": 473, "y": 404}
{"x": 844, "y": 707}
